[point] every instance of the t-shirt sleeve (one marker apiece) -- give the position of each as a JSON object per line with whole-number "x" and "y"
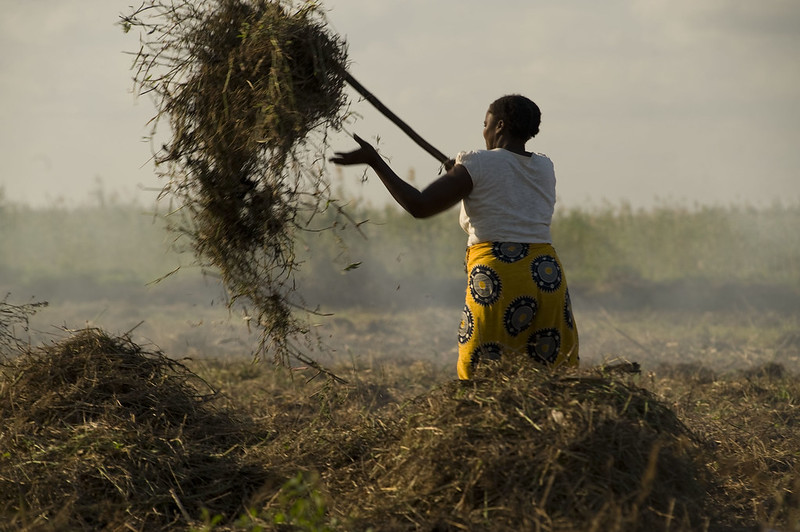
{"x": 472, "y": 162}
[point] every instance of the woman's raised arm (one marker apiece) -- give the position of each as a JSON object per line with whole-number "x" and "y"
{"x": 439, "y": 196}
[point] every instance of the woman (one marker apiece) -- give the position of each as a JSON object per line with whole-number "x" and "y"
{"x": 517, "y": 300}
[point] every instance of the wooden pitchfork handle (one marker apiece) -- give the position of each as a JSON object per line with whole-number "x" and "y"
{"x": 425, "y": 145}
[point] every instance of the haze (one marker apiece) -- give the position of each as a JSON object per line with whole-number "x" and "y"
{"x": 643, "y": 102}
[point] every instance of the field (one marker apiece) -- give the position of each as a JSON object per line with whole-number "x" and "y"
{"x": 706, "y": 300}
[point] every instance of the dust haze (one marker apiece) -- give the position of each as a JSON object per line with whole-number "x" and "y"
{"x": 667, "y": 284}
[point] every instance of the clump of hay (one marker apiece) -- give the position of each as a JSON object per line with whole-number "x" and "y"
{"x": 98, "y": 433}
{"x": 250, "y": 89}
{"x": 524, "y": 449}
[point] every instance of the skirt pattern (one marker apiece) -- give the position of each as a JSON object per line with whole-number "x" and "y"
{"x": 517, "y": 303}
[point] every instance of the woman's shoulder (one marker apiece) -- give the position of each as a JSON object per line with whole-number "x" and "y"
{"x": 469, "y": 155}
{"x": 481, "y": 157}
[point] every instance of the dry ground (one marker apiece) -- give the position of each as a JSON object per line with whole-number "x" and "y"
{"x": 705, "y": 437}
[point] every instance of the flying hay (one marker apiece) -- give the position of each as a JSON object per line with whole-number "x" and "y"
{"x": 250, "y": 89}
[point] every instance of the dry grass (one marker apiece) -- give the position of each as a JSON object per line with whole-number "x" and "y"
{"x": 524, "y": 449}
{"x": 752, "y": 420}
{"x": 14, "y": 320}
{"x": 101, "y": 434}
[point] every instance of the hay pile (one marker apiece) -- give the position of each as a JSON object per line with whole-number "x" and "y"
{"x": 98, "y": 433}
{"x": 244, "y": 84}
{"x": 523, "y": 450}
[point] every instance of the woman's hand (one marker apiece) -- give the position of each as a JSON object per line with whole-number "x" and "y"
{"x": 365, "y": 154}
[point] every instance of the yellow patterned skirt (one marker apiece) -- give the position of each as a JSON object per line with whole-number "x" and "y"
{"x": 517, "y": 303}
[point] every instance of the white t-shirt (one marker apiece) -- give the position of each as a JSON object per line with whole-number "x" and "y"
{"x": 512, "y": 198}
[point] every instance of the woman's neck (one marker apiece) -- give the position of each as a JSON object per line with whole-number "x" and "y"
{"x": 518, "y": 149}
{"x": 514, "y": 146}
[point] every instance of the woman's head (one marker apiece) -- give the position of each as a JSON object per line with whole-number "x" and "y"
{"x": 519, "y": 114}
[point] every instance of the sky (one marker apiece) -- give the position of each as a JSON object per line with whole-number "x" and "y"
{"x": 644, "y": 102}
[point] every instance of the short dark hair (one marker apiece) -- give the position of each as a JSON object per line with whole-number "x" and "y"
{"x": 520, "y": 113}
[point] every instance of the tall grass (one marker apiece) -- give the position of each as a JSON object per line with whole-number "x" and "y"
{"x": 108, "y": 242}
{"x": 726, "y": 243}
{"x": 123, "y": 242}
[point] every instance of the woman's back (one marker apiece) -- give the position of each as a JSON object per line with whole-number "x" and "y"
{"x": 512, "y": 198}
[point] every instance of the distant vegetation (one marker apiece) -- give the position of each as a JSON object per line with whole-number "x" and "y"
{"x": 106, "y": 246}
